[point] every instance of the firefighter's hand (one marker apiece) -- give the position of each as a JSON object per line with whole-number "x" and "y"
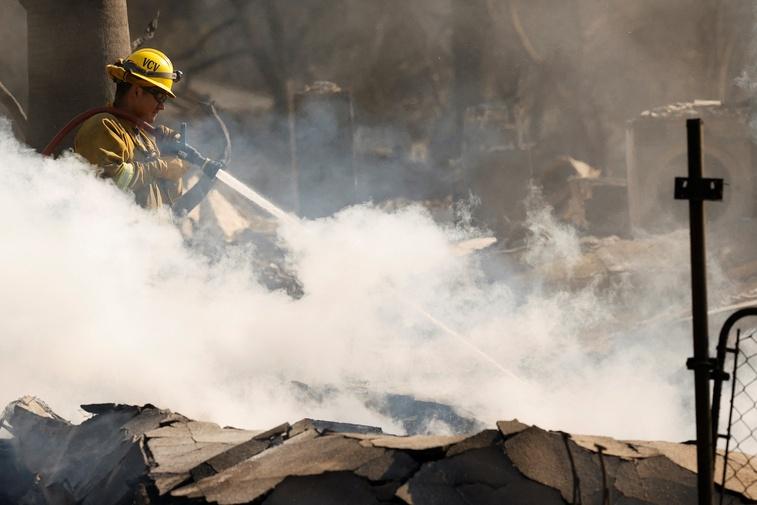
{"x": 191, "y": 155}
{"x": 175, "y": 169}
{"x": 169, "y": 141}
{"x": 165, "y": 133}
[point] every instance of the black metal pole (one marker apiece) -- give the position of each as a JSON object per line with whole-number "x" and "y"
{"x": 701, "y": 362}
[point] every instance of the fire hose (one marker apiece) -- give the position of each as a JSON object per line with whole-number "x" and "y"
{"x": 177, "y": 146}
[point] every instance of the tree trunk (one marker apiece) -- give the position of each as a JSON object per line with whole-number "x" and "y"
{"x": 69, "y": 44}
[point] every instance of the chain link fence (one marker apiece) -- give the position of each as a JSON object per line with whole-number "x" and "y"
{"x": 736, "y": 462}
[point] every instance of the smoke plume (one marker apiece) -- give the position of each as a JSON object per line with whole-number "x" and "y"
{"x": 104, "y": 302}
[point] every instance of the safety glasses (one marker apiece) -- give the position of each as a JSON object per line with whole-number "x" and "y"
{"x": 159, "y": 95}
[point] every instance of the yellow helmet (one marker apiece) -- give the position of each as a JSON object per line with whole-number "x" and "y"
{"x": 146, "y": 67}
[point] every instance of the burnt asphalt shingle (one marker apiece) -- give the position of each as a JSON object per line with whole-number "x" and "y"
{"x": 480, "y": 440}
{"x": 657, "y": 480}
{"x": 390, "y": 466}
{"x": 441, "y": 481}
{"x": 145, "y": 455}
{"x": 305, "y": 454}
{"x": 337, "y": 488}
{"x": 542, "y": 456}
{"x": 331, "y": 426}
{"x": 14, "y": 478}
{"x": 92, "y": 463}
{"x": 179, "y": 448}
{"x": 415, "y": 443}
{"x": 240, "y": 452}
{"x": 508, "y": 428}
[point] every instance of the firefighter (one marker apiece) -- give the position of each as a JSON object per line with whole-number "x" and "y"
{"x": 124, "y": 153}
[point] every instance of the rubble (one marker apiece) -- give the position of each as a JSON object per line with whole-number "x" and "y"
{"x": 146, "y": 455}
{"x": 683, "y": 109}
{"x": 656, "y": 153}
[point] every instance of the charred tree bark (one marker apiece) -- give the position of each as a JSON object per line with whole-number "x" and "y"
{"x": 69, "y": 44}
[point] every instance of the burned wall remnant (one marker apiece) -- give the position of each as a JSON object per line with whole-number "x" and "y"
{"x": 656, "y": 154}
{"x": 323, "y": 155}
{"x": 496, "y": 166}
{"x": 603, "y": 205}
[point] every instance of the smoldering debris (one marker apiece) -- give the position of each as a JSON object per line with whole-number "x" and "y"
{"x": 412, "y": 415}
{"x": 207, "y": 337}
{"x": 147, "y": 455}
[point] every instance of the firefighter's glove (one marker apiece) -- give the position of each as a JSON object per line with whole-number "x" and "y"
{"x": 169, "y": 141}
{"x": 166, "y": 134}
{"x": 175, "y": 168}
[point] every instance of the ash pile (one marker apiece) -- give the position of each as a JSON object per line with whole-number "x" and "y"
{"x": 146, "y": 455}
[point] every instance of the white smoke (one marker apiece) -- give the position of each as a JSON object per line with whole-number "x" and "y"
{"x": 103, "y": 302}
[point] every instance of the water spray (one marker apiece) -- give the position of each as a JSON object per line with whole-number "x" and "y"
{"x": 459, "y": 336}
{"x": 214, "y": 170}
{"x": 256, "y": 198}
{"x": 291, "y": 220}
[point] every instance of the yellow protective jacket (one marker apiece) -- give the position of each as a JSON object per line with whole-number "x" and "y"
{"x": 129, "y": 157}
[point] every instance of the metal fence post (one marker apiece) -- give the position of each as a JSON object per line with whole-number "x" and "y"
{"x": 696, "y": 190}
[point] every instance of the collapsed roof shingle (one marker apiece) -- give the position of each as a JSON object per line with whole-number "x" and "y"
{"x": 126, "y": 454}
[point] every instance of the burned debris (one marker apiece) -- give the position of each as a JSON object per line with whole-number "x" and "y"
{"x": 130, "y": 454}
{"x": 515, "y": 129}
